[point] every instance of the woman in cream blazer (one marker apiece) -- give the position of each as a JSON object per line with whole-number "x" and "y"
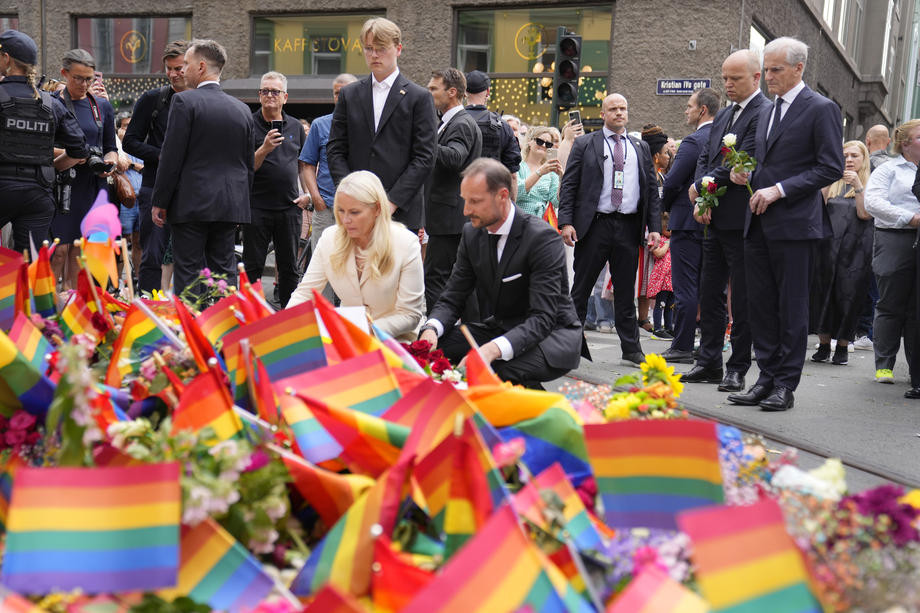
{"x": 368, "y": 259}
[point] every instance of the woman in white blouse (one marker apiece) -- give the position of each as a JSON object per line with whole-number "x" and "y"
{"x": 368, "y": 259}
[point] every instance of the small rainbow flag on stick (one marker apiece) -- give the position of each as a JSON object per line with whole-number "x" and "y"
{"x": 42, "y": 283}
{"x": 206, "y": 402}
{"x": 648, "y": 471}
{"x": 77, "y": 318}
{"x": 11, "y": 265}
{"x": 94, "y": 529}
{"x": 219, "y": 319}
{"x": 653, "y": 591}
{"x": 217, "y": 570}
{"x": 30, "y": 341}
{"x": 33, "y": 390}
{"x": 746, "y": 561}
{"x": 140, "y": 336}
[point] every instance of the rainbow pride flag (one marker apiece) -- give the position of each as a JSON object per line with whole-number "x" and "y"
{"x": 746, "y": 561}
{"x": 197, "y": 342}
{"x": 31, "y": 343}
{"x": 96, "y": 529}
{"x": 288, "y": 343}
{"x": 409, "y": 362}
{"x": 529, "y": 503}
{"x": 648, "y": 471}
{"x": 138, "y": 339}
{"x": 7, "y": 472}
{"x": 42, "y": 284}
{"x": 220, "y": 319}
{"x": 499, "y": 569}
{"x": 396, "y": 579}
{"x": 332, "y": 600}
{"x": 206, "y": 402}
{"x": 10, "y": 291}
{"x": 364, "y": 383}
{"x": 33, "y": 390}
{"x": 76, "y": 317}
{"x": 653, "y": 591}
{"x": 215, "y": 569}
{"x": 478, "y": 372}
{"x": 430, "y": 410}
{"x": 331, "y": 494}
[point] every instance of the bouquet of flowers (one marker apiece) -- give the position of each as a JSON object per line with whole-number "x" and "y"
{"x": 739, "y": 161}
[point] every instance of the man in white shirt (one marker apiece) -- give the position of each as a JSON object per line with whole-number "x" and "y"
{"x": 386, "y": 124}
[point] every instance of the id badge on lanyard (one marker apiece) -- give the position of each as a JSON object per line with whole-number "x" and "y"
{"x": 618, "y": 179}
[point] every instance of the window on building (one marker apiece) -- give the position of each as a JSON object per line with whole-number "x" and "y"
{"x": 309, "y": 44}
{"x": 887, "y": 38}
{"x": 844, "y": 23}
{"x": 129, "y": 45}
{"x": 9, "y": 22}
{"x": 828, "y": 13}
{"x": 758, "y": 40}
{"x": 517, "y": 48}
{"x": 857, "y": 26}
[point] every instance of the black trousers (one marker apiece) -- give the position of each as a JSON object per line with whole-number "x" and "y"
{"x": 29, "y": 206}
{"x": 439, "y": 261}
{"x": 526, "y": 369}
{"x": 198, "y": 245}
{"x": 154, "y": 241}
{"x": 283, "y": 228}
{"x": 686, "y": 265}
{"x": 724, "y": 260}
{"x": 611, "y": 238}
{"x": 778, "y": 274}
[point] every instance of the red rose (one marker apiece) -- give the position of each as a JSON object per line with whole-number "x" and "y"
{"x": 439, "y": 366}
{"x": 99, "y": 322}
{"x": 3, "y": 423}
{"x": 419, "y": 348}
{"x": 14, "y": 438}
{"x": 33, "y": 437}
{"x": 421, "y": 361}
{"x": 712, "y": 187}
{"x": 437, "y": 354}
{"x": 726, "y": 151}
{"x": 22, "y": 421}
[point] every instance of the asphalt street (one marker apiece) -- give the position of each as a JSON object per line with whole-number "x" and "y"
{"x": 839, "y": 411}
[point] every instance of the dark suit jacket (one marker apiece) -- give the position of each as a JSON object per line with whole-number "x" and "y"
{"x": 733, "y": 206}
{"x": 528, "y": 295}
{"x": 804, "y": 154}
{"x": 584, "y": 178}
{"x": 458, "y": 144}
{"x": 402, "y": 150}
{"x": 206, "y": 161}
{"x": 674, "y": 197}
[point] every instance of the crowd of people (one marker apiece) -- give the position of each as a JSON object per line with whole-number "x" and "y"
{"x": 430, "y": 210}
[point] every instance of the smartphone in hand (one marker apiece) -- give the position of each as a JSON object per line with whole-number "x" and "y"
{"x": 552, "y": 154}
{"x": 575, "y": 115}
{"x": 278, "y": 124}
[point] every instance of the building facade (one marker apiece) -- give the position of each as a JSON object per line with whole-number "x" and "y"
{"x": 863, "y": 53}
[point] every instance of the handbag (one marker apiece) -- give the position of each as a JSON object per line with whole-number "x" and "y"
{"x": 124, "y": 191}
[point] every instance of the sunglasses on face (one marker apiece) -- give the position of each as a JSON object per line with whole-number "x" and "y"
{"x": 271, "y": 92}
{"x": 544, "y": 143}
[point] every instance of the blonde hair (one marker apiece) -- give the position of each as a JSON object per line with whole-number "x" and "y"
{"x": 902, "y": 134}
{"x": 29, "y": 72}
{"x": 838, "y": 187}
{"x": 533, "y": 133}
{"x": 366, "y": 188}
{"x": 382, "y": 31}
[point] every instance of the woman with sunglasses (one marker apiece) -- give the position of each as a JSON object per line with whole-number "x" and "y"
{"x": 538, "y": 177}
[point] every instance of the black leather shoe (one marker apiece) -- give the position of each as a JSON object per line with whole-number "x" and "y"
{"x": 841, "y": 355}
{"x": 751, "y": 397}
{"x": 676, "y": 356}
{"x": 701, "y": 374}
{"x": 780, "y": 400}
{"x": 822, "y": 354}
{"x": 733, "y": 382}
{"x": 913, "y": 393}
{"x": 632, "y": 359}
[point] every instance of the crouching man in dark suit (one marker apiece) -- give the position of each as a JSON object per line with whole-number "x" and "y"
{"x": 529, "y": 330}
{"x": 206, "y": 169}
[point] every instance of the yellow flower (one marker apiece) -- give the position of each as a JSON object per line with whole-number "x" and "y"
{"x": 676, "y": 386}
{"x": 912, "y": 498}
{"x": 618, "y": 408}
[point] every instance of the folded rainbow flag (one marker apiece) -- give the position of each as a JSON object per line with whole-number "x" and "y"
{"x": 206, "y": 402}
{"x": 220, "y": 319}
{"x": 330, "y": 494}
{"x": 94, "y": 529}
{"x": 138, "y": 339}
{"x": 332, "y": 600}
{"x": 653, "y": 591}
{"x": 42, "y": 284}
{"x": 33, "y": 390}
{"x": 11, "y": 290}
{"x": 77, "y": 318}
{"x": 746, "y": 561}
{"x": 288, "y": 343}
{"x": 30, "y": 341}
{"x": 648, "y": 471}
{"x": 215, "y": 569}
{"x": 396, "y": 579}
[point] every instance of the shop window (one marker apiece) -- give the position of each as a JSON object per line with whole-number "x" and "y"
{"x": 129, "y": 45}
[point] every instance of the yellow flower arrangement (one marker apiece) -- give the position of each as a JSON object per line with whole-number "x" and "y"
{"x": 655, "y": 399}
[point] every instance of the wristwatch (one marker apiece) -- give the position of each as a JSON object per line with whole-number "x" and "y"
{"x": 857, "y": 191}
{"x": 426, "y": 327}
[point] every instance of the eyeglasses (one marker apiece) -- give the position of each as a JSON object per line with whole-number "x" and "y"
{"x": 81, "y": 80}
{"x": 271, "y": 92}
{"x": 544, "y": 143}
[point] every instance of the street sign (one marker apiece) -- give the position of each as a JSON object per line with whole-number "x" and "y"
{"x": 681, "y": 87}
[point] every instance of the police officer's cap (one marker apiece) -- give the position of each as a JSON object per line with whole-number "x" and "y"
{"x": 477, "y": 81}
{"x": 20, "y": 46}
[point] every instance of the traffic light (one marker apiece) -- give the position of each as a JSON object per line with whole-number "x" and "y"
{"x": 568, "y": 67}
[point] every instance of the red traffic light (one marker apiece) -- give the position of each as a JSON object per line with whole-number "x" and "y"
{"x": 570, "y": 46}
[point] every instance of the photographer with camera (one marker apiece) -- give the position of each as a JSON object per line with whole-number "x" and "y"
{"x": 31, "y": 121}
{"x": 97, "y": 120}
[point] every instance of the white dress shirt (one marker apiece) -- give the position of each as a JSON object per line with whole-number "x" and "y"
{"x": 503, "y": 231}
{"x": 630, "y": 202}
{"x": 743, "y": 104}
{"x": 381, "y": 89}
{"x": 788, "y": 98}
{"x": 448, "y": 115}
{"x": 203, "y": 83}
{"x": 889, "y": 198}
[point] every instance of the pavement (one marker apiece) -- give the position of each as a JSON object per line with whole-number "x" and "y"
{"x": 839, "y": 411}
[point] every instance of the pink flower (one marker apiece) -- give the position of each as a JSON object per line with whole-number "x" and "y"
{"x": 257, "y": 460}
{"x": 206, "y": 272}
{"x": 508, "y": 453}
{"x": 22, "y": 421}
{"x": 221, "y": 286}
{"x": 647, "y": 556}
{"x": 14, "y": 438}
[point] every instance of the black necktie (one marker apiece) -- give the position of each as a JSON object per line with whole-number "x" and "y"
{"x": 493, "y": 250}
{"x": 736, "y": 112}
{"x": 777, "y": 115}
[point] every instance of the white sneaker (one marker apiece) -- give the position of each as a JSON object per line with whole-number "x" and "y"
{"x": 863, "y": 343}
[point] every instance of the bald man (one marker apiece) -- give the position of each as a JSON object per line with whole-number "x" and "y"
{"x": 877, "y": 141}
{"x": 607, "y": 199}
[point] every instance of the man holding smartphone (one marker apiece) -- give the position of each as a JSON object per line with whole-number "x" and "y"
{"x": 275, "y": 200}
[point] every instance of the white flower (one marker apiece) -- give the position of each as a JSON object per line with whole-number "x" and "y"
{"x": 707, "y": 180}
{"x": 729, "y": 140}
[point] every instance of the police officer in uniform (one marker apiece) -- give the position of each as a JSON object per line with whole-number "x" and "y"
{"x": 31, "y": 122}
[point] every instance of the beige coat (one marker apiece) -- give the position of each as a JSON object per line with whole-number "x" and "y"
{"x": 396, "y": 302}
